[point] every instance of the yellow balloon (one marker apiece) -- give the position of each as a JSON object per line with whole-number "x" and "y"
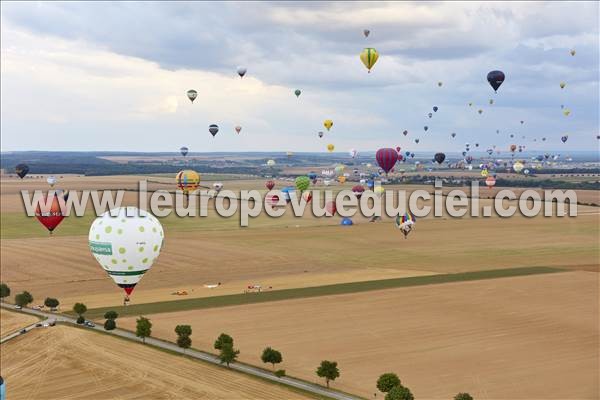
{"x": 567, "y": 112}
{"x": 562, "y": 85}
{"x": 330, "y": 148}
{"x": 187, "y": 180}
{"x": 328, "y": 124}
{"x": 484, "y": 172}
{"x": 379, "y": 190}
{"x": 342, "y": 179}
{"x": 369, "y": 57}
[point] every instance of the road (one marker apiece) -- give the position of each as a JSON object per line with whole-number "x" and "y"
{"x": 200, "y": 355}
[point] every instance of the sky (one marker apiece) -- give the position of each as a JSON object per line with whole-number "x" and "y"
{"x": 114, "y": 76}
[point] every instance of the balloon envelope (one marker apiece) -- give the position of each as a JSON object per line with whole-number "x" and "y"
{"x": 48, "y": 212}
{"x": 213, "y": 129}
{"x": 386, "y": 158}
{"x": 192, "y": 94}
{"x": 126, "y": 242}
{"x": 369, "y": 57}
{"x": 22, "y": 170}
{"x": 187, "y": 180}
{"x": 495, "y": 79}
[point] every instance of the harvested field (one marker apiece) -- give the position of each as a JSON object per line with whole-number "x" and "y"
{"x": 65, "y": 363}
{"x": 13, "y": 321}
{"x": 530, "y": 337}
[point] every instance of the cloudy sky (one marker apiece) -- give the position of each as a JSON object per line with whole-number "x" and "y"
{"x": 113, "y": 76}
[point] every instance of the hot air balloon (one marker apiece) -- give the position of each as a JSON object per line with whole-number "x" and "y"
{"x": 339, "y": 169}
{"x": 330, "y": 148}
{"x": 49, "y": 213}
{"x": 289, "y": 154}
{"x": 386, "y": 159}
{"x": 297, "y": 92}
{"x": 126, "y": 242}
{"x": 22, "y": 170}
{"x": 187, "y": 180}
{"x": 495, "y": 78}
{"x": 435, "y": 108}
{"x": 302, "y": 183}
{"x": 430, "y": 115}
{"x": 320, "y": 134}
{"x": 51, "y": 180}
{"x": 379, "y": 190}
{"x": 241, "y": 71}
{"x": 470, "y": 104}
{"x": 312, "y": 176}
{"x": 439, "y": 157}
{"x": 369, "y": 57}
{"x": 440, "y": 84}
{"x": 412, "y": 155}
{"x": 238, "y": 129}
{"x": 518, "y": 167}
{"x": 405, "y": 133}
{"x": 425, "y": 128}
{"x": 366, "y": 32}
{"x": 271, "y": 163}
{"x": 491, "y": 101}
{"x": 330, "y": 208}
{"x": 453, "y": 134}
{"x": 272, "y": 200}
{"x": 480, "y": 111}
{"x": 513, "y": 147}
{"x": 270, "y": 185}
{"x": 564, "y": 138}
{"x": 562, "y": 85}
{"x": 346, "y": 222}
{"x": 358, "y": 190}
{"x": 484, "y": 172}
{"x": 469, "y": 159}
{"x": 341, "y": 179}
{"x": 328, "y": 124}
{"x": 353, "y": 153}
{"x": 417, "y": 141}
{"x": 405, "y": 223}
{"x": 287, "y": 192}
{"x": 490, "y": 181}
{"x": 522, "y": 122}
{"x": 572, "y": 52}
{"x": 213, "y": 129}
{"x": 566, "y": 112}
{"x": 192, "y": 94}
{"x": 184, "y": 151}
{"x": 476, "y": 144}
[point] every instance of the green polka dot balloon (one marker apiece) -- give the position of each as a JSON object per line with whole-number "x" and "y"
{"x": 134, "y": 236}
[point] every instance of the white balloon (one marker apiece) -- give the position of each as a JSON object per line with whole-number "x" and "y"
{"x": 126, "y": 242}
{"x": 51, "y": 180}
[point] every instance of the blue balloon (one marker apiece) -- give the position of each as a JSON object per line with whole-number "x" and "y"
{"x": 312, "y": 176}
{"x": 346, "y": 221}
{"x": 371, "y": 184}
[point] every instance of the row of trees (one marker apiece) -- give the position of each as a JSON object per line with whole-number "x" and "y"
{"x": 25, "y": 298}
{"x": 388, "y": 383}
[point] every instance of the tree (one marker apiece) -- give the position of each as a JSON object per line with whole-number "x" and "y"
{"x": 143, "y": 328}
{"x": 110, "y": 324}
{"x": 22, "y": 299}
{"x": 387, "y": 382}
{"x": 272, "y": 356}
{"x": 399, "y": 393}
{"x": 111, "y": 315}
{"x": 79, "y": 309}
{"x": 51, "y": 302}
{"x": 4, "y": 291}
{"x": 183, "y": 330}
{"x": 328, "y": 370}
{"x": 184, "y": 342}
{"x": 228, "y": 354}
{"x": 280, "y": 373}
{"x": 223, "y": 339}
{"x": 463, "y": 396}
{"x": 80, "y": 320}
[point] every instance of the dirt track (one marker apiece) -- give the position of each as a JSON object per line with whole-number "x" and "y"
{"x": 519, "y": 338}
{"x": 66, "y": 363}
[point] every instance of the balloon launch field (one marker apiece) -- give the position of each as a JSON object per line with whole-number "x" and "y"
{"x": 281, "y": 253}
{"x": 64, "y": 363}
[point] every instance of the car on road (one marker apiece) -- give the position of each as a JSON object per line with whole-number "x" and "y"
{"x": 51, "y": 322}
{"x": 90, "y": 324}
{"x": 38, "y": 325}
{"x": 23, "y": 331}
{"x": 18, "y": 307}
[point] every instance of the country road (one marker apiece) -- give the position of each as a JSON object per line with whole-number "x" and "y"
{"x": 200, "y": 355}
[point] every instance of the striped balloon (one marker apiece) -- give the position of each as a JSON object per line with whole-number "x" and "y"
{"x": 386, "y": 158}
{"x": 187, "y": 180}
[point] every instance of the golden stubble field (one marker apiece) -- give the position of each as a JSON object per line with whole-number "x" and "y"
{"x": 69, "y": 363}
{"x": 279, "y": 252}
{"x": 12, "y": 321}
{"x": 530, "y": 337}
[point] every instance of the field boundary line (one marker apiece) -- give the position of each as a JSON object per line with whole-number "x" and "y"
{"x": 315, "y": 291}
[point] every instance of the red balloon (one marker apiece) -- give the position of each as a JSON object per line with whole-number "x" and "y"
{"x": 49, "y": 215}
{"x": 358, "y": 190}
{"x": 386, "y": 158}
{"x": 398, "y": 148}
{"x": 307, "y": 196}
{"x": 272, "y": 200}
{"x": 270, "y": 185}
{"x": 400, "y": 157}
